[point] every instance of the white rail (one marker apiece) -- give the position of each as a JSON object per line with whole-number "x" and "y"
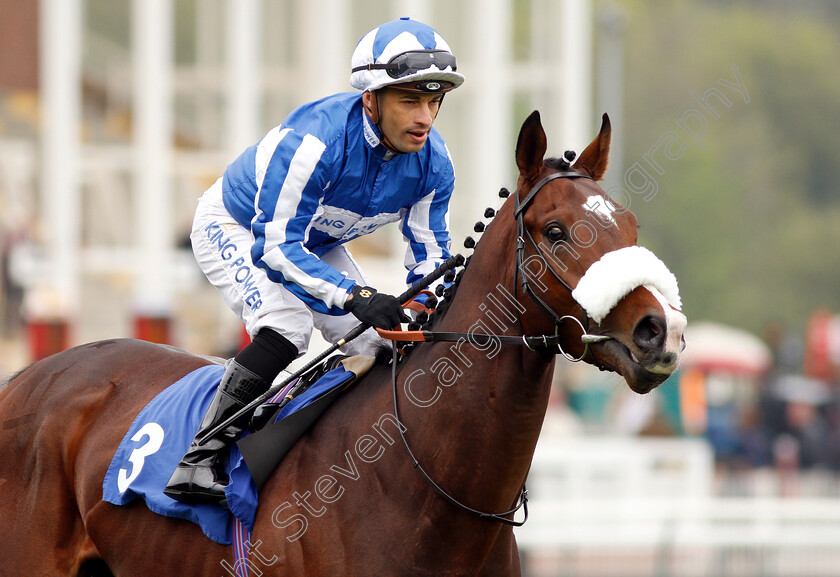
{"x": 626, "y": 507}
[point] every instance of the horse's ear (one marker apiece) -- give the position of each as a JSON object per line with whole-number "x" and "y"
{"x": 531, "y": 147}
{"x": 594, "y": 159}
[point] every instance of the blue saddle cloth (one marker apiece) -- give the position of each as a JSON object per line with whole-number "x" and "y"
{"x": 162, "y": 433}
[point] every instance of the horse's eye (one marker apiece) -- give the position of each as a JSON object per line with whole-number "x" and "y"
{"x": 554, "y": 233}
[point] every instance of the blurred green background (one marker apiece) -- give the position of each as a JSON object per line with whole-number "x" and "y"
{"x": 750, "y": 221}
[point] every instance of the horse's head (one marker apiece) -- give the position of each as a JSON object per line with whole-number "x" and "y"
{"x": 577, "y": 252}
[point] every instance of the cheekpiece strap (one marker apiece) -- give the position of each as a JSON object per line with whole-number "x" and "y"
{"x": 521, "y": 206}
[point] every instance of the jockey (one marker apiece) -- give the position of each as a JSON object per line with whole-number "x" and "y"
{"x": 270, "y": 233}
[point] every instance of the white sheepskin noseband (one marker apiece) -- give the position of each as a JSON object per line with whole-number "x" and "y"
{"x": 619, "y": 272}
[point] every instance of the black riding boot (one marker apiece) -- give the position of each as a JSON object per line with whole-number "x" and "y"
{"x": 200, "y": 476}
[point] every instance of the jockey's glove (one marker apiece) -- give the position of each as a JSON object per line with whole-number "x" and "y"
{"x": 380, "y": 310}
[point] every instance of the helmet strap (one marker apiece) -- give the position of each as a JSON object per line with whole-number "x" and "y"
{"x": 375, "y": 115}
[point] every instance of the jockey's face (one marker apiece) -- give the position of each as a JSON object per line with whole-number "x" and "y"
{"x": 405, "y": 118}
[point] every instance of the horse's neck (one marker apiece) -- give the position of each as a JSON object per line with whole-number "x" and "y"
{"x": 489, "y": 301}
{"x": 492, "y": 398}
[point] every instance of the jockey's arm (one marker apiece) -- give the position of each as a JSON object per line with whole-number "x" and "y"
{"x": 426, "y": 228}
{"x": 286, "y": 206}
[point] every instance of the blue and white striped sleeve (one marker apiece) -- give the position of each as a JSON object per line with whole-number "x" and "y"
{"x": 426, "y": 228}
{"x": 289, "y": 191}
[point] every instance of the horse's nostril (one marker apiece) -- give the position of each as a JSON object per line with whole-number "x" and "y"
{"x": 650, "y": 332}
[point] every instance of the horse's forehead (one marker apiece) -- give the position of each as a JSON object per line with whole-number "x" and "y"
{"x": 584, "y": 198}
{"x": 603, "y": 208}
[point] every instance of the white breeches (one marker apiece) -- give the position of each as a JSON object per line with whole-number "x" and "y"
{"x": 222, "y": 248}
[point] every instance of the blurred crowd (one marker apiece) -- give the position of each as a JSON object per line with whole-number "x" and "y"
{"x": 782, "y": 414}
{"x": 794, "y": 421}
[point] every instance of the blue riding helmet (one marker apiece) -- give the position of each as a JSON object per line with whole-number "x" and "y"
{"x": 407, "y": 53}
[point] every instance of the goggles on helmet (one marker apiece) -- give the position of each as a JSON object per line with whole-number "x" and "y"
{"x": 412, "y": 62}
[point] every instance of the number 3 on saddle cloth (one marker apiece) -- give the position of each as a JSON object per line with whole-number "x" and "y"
{"x": 164, "y": 429}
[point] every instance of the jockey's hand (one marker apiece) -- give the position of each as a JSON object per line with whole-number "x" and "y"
{"x": 380, "y": 310}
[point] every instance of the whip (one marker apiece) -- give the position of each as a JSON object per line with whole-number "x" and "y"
{"x": 413, "y": 291}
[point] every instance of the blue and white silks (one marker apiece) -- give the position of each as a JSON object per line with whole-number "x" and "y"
{"x": 323, "y": 178}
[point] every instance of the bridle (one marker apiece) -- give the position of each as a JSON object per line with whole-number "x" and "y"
{"x": 519, "y": 208}
{"x": 546, "y": 343}
{"x": 549, "y": 343}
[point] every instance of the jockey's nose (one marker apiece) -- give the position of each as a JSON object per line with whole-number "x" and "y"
{"x": 425, "y": 115}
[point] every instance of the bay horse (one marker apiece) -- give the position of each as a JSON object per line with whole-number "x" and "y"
{"x": 348, "y": 499}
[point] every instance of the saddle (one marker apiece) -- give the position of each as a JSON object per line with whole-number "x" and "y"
{"x": 278, "y": 428}
{"x": 267, "y": 412}
{"x": 162, "y": 431}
